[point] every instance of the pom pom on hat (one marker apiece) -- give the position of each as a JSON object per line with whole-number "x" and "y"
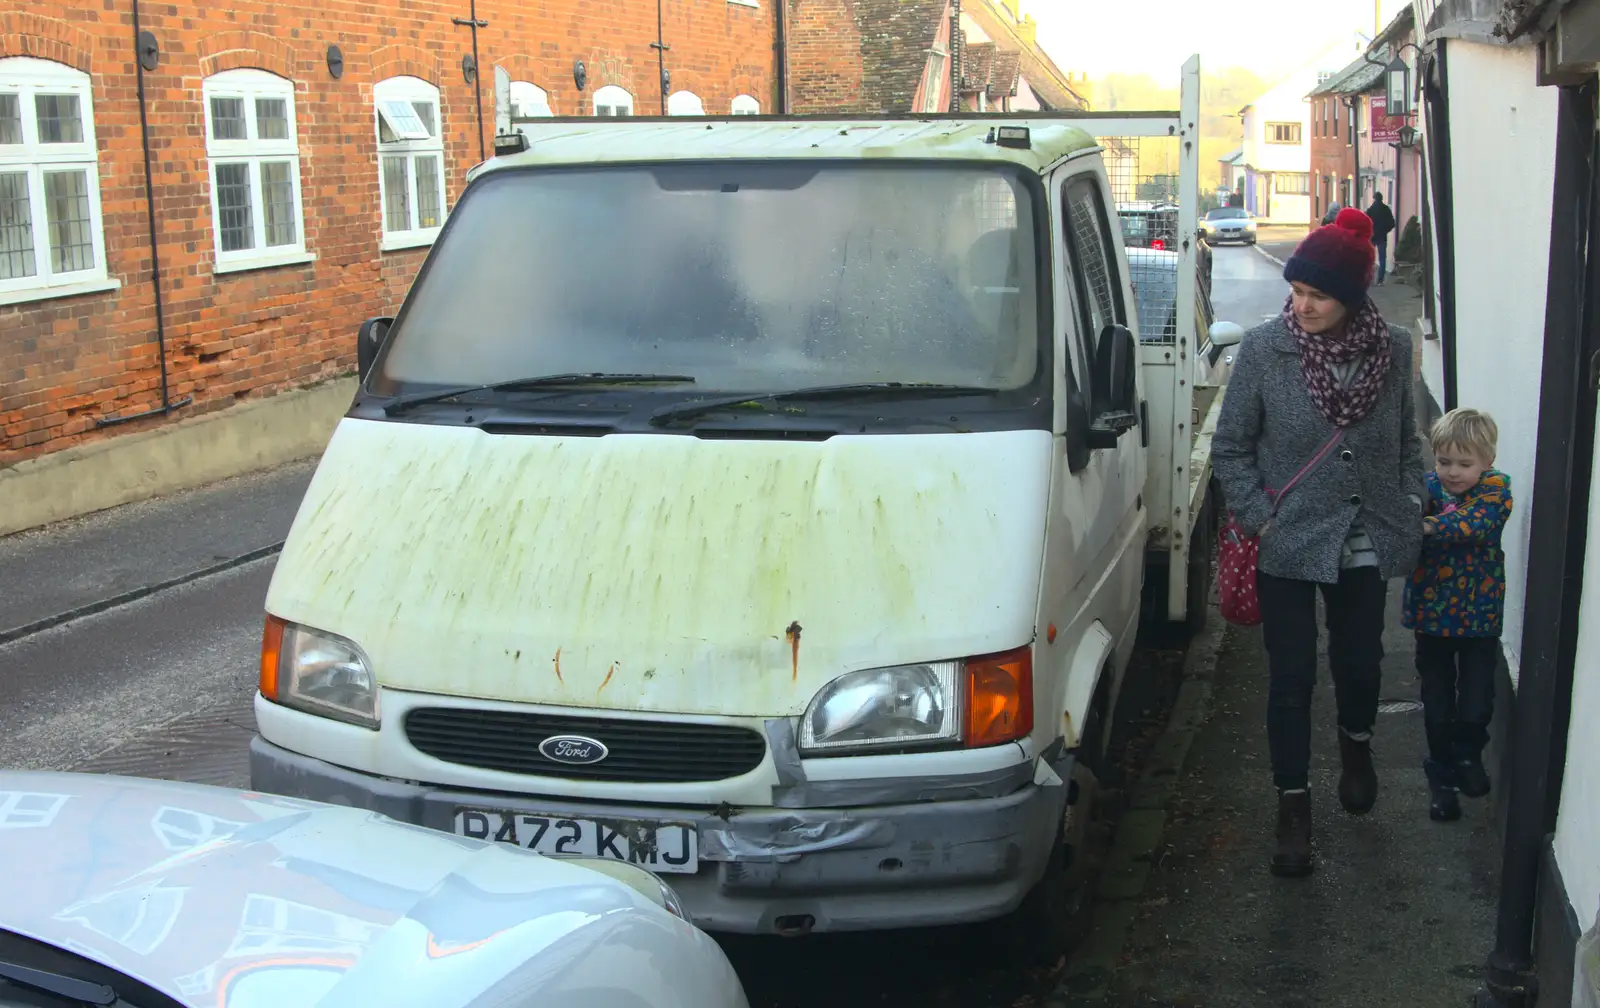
{"x": 1351, "y": 219}
{"x": 1337, "y": 259}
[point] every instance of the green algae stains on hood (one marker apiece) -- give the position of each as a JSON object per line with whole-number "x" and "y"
{"x": 660, "y": 572}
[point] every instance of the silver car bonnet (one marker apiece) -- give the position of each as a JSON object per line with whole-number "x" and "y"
{"x": 238, "y": 899}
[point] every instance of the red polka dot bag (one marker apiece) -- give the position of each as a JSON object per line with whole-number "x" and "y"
{"x": 1237, "y": 552}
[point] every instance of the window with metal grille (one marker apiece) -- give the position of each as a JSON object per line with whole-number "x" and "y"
{"x": 255, "y": 169}
{"x": 1283, "y": 133}
{"x": 613, "y": 101}
{"x": 1090, "y": 258}
{"x": 51, "y": 242}
{"x": 529, "y": 101}
{"x": 410, "y": 161}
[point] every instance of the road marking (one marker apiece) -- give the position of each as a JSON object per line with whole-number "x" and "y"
{"x": 1270, "y": 257}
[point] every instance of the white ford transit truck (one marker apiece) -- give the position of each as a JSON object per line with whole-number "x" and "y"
{"x": 766, "y": 501}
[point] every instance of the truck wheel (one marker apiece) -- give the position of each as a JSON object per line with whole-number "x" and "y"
{"x": 1057, "y": 912}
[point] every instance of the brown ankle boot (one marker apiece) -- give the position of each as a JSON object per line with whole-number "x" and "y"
{"x": 1293, "y": 856}
{"x": 1358, "y": 784}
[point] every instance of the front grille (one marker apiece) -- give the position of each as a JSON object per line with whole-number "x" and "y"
{"x": 640, "y": 751}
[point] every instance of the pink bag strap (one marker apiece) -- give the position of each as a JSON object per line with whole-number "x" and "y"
{"x": 1306, "y": 470}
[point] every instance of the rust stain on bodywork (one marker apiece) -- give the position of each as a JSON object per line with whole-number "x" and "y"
{"x": 557, "y": 662}
{"x": 609, "y": 673}
{"x": 793, "y": 633}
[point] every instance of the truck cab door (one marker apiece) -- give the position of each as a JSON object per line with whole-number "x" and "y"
{"x": 1094, "y": 545}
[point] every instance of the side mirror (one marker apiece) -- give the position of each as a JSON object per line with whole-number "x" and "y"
{"x": 369, "y": 340}
{"x": 1226, "y": 334}
{"x": 1114, "y": 408}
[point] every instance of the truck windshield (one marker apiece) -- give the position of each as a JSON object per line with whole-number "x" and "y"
{"x": 748, "y": 276}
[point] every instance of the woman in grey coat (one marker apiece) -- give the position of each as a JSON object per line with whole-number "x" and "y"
{"x": 1329, "y": 367}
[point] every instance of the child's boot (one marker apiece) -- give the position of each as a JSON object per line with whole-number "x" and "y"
{"x": 1443, "y": 804}
{"x": 1471, "y": 776}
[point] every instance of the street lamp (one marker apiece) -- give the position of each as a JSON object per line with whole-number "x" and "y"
{"x": 1398, "y": 90}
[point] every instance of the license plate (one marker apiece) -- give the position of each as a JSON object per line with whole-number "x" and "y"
{"x": 660, "y": 847}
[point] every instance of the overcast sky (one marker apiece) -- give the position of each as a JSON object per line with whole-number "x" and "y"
{"x": 1271, "y": 37}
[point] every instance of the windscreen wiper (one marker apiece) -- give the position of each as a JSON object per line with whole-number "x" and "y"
{"x": 690, "y": 410}
{"x": 404, "y": 403}
{"x": 57, "y": 985}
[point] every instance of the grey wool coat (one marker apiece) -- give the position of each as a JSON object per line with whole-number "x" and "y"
{"x": 1270, "y": 427}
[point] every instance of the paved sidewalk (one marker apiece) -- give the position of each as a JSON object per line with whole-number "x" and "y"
{"x": 113, "y": 557}
{"x": 1398, "y": 913}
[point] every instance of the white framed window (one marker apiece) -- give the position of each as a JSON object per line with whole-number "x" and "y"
{"x": 746, "y": 105}
{"x": 529, "y": 100}
{"x": 1283, "y": 133}
{"x": 410, "y": 161}
{"x": 255, "y": 170}
{"x": 613, "y": 101}
{"x": 685, "y": 103}
{"x": 52, "y": 243}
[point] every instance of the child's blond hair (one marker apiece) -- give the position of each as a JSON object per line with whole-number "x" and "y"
{"x": 1466, "y": 429}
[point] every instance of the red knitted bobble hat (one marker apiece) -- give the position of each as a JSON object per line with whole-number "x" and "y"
{"x": 1337, "y": 259}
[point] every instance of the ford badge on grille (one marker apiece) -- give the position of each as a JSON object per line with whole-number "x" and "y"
{"x": 577, "y": 749}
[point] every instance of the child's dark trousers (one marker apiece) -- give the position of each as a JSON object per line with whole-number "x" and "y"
{"x": 1457, "y": 676}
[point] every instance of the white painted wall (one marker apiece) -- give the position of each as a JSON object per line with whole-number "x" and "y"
{"x": 1285, "y": 103}
{"x": 1578, "y": 826}
{"x": 1502, "y": 131}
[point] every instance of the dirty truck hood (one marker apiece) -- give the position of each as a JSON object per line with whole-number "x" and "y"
{"x": 663, "y": 572}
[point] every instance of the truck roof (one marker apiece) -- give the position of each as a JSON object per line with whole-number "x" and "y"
{"x": 612, "y": 141}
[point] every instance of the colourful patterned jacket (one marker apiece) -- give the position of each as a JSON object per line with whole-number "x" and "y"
{"x": 1459, "y": 587}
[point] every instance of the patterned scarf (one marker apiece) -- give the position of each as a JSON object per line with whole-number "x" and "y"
{"x": 1367, "y": 336}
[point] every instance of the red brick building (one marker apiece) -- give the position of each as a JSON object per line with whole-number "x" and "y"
{"x": 1333, "y": 139}
{"x": 881, "y": 56}
{"x": 302, "y": 156}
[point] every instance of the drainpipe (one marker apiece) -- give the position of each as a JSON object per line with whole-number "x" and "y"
{"x": 1556, "y": 544}
{"x": 474, "y": 22}
{"x": 781, "y": 44}
{"x": 1436, "y": 85}
{"x": 145, "y": 50}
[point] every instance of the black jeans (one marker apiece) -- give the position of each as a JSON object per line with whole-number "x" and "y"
{"x": 1355, "y": 608}
{"x": 1457, "y": 675}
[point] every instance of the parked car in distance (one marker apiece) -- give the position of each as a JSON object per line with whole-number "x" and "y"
{"x": 1152, "y": 225}
{"x": 1229, "y": 224}
{"x": 156, "y": 894}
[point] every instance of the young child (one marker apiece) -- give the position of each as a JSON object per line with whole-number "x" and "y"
{"x": 1454, "y": 602}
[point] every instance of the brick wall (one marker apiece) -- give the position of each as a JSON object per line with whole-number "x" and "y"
{"x": 65, "y": 363}
{"x": 825, "y": 57}
{"x": 1330, "y": 155}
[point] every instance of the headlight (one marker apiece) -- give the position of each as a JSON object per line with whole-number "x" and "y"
{"x": 1249, "y": 225}
{"x": 318, "y": 673}
{"x": 902, "y": 705}
{"x": 981, "y": 701}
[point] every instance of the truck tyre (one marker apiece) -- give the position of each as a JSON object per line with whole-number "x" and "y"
{"x": 1057, "y": 912}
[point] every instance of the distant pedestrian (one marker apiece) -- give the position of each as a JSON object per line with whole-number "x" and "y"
{"x": 1455, "y": 602}
{"x": 1321, "y": 400}
{"x": 1382, "y": 227}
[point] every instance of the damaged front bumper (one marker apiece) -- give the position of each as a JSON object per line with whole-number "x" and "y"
{"x": 776, "y": 870}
